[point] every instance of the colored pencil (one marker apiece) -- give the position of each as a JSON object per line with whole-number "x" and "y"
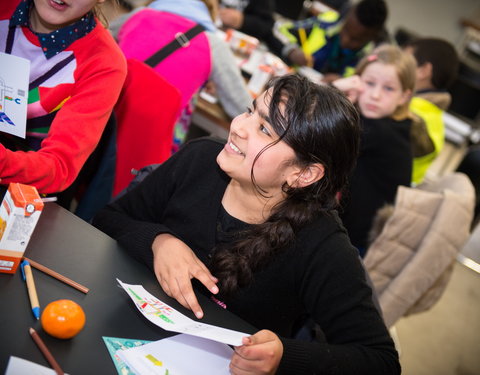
{"x": 43, "y": 348}
{"x": 303, "y": 39}
{"x": 303, "y": 42}
{"x": 58, "y": 276}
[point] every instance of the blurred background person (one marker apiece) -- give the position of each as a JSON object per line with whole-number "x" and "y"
{"x": 333, "y": 45}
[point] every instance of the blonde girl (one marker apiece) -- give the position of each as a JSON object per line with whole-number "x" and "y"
{"x": 382, "y": 90}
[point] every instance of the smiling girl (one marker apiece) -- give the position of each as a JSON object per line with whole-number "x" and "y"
{"x": 76, "y": 74}
{"x": 253, "y": 220}
{"x": 382, "y": 89}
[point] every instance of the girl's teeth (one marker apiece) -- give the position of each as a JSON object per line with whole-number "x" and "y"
{"x": 59, "y": 2}
{"x": 235, "y": 148}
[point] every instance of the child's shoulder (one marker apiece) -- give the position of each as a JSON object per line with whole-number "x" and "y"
{"x": 99, "y": 48}
{"x": 387, "y": 121}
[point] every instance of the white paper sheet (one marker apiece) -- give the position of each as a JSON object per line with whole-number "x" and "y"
{"x": 170, "y": 319}
{"x": 14, "y": 75}
{"x": 20, "y": 366}
{"x": 178, "y": 355}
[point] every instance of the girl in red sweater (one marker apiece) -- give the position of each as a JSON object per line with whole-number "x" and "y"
{"x": 76, "y": 74}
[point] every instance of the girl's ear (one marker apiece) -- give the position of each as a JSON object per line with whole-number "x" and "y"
{"x": 307, "y": 176}
{"x": 406, "y": 96}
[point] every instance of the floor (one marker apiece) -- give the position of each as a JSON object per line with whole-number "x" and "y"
{"x": 446, "y": 339}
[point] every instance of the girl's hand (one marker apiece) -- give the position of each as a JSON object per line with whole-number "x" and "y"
{"x": 175, "y": 265}
{"x": 352, "y": 86}
{"x": 259, "y": 354}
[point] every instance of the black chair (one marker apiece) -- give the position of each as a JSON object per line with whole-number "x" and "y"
{"x": 465, "y": 92}
{"x": 470, "y": 165}
{"x": 92, "y": 189}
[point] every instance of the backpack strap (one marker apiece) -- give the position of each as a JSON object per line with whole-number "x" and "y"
{"x": 181, "y": 40}
{"x": 10, "y": 38}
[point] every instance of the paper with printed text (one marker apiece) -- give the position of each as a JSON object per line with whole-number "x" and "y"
{"x": 14, "y": 76}
{"x": 166, "y": 317}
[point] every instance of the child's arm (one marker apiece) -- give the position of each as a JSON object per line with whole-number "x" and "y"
{"x": 73, "y": 135}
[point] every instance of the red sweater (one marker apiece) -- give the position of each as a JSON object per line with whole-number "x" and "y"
{"x": 83, "y": 92}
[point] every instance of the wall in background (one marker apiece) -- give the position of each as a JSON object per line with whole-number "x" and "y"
{"x": 440, "y": 18}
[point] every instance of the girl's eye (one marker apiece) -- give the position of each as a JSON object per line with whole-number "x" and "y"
{"x": 369, "y": 83}
{"x": 389, "y": 88}
{"x": 249, "y": 111}
{"x": 263, "y": 129}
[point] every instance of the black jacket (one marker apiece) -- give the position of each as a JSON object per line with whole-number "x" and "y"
{"x": 384, "y": 163}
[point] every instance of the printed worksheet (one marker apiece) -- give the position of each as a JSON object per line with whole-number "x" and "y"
{"x": 178, "y": 355}
{"x": 14, "y": 76}
{"x": 166, "y": 317}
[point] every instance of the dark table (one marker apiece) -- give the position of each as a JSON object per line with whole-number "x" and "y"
{"x": 72, "y": 247}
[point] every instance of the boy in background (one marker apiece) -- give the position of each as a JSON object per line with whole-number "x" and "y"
{"x": 332, "y": 45}
{"x": 437, "y": 67}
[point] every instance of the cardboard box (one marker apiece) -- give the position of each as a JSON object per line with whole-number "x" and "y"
{"x": 19, "y": 213}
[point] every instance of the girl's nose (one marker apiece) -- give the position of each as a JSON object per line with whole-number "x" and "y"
{"x": 239, "y": 126}
{"x": 376, "y": 92}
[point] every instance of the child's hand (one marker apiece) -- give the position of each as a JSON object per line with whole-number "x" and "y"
{"x": 231, "y": 17}
{"x": 298, "y": 57}
{"x": 330, "y": 77}
{"x": 352, "y": 86}
{"x": 175, "y": 265}
{"x": 210, "y": 88}
{"x": 259, "y": 354}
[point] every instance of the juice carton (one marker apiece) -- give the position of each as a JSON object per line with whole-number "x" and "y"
{"x": 20, "y": 210}
{"x": 241, "y": 43}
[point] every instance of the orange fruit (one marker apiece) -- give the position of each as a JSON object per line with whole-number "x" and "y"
{"x": 63, "y": 319}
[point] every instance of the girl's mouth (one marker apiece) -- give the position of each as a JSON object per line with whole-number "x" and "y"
{"x": 58, "y": 4}
{"x": 235, "y": 148}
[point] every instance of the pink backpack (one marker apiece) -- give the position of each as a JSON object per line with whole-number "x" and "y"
{"x": 187, "y": 68}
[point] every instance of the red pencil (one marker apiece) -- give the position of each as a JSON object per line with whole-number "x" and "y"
{"x": 43, "y": 348}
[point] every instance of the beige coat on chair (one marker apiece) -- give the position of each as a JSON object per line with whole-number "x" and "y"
{"x": 410, "y": 262}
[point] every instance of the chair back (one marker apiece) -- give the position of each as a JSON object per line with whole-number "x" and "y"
{"x": 410, "y": 262}
{"x": 146, "y": 113}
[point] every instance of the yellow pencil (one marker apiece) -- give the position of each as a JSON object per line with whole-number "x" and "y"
{"x": 303, "y": 38}
{"x": 303, "y": 42}
{"x": 32, "y": 291}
